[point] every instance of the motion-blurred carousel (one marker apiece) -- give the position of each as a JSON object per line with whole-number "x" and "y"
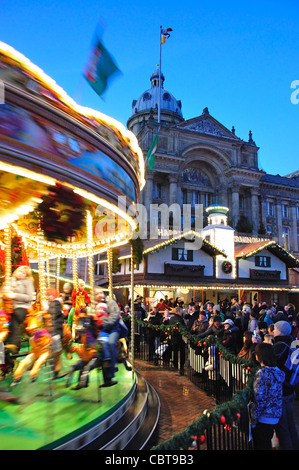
{"x": 69, "y": 179}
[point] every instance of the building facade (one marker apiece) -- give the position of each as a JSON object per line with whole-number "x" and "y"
{"x": 200, "y": 161}
{"x": 209, "y": 266}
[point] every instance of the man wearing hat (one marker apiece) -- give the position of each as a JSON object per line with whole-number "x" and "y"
{"x": 282, "y": 332}
{"x": 286, "y": 428}
{"x": 230, "y": 333}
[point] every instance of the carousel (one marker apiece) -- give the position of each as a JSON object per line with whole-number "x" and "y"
{"x": 69, "y": 179}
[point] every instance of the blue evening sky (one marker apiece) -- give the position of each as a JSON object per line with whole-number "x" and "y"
{"x": 237, "y": 58}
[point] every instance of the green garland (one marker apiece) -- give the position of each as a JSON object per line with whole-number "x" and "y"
{"x": 115, "y": 260}
{"x": 137, "y": 250}
{"x": 227, "y": 413}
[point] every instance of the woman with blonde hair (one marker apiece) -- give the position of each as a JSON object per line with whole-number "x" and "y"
{"x": 21, "y": 292}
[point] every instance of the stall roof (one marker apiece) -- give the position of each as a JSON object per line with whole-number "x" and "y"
{"x": 250, "y": 249}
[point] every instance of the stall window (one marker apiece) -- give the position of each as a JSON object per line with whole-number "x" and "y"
{"x": 180, "y": 254}
{"x": 263, "y": 261}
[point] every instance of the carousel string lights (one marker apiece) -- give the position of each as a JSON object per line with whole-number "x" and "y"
{"x": 41, "y": 265}
{"x": 89, "y": 231}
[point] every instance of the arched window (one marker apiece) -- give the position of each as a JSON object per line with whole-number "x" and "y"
{"x": 147, "y": 96}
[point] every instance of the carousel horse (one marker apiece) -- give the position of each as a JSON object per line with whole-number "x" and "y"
{"x": 87, "y": 350}
{"x": 40, "y": 346}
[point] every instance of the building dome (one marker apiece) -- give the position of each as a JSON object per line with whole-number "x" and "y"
{"x": 150, "y": 98}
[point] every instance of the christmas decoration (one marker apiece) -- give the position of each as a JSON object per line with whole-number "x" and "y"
{"x": 228, "y": 413}
{"x": 227, "y": 267}
{"x": 137, "y": 249}
{"x": 115, "y": 260}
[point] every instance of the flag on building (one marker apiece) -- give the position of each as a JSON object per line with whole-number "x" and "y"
{"x": 100, "y": 68}
{"x": 150, "y": 157}
{"x": 165, "y": 34}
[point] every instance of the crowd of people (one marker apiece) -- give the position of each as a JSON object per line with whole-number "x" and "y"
{"x": 259, "y": 332}
{"x": 64, "y": 322}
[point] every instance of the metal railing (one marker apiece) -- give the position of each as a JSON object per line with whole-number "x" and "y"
{"x": 215, "y": 371}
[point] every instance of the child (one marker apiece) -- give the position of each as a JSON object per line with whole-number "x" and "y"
{"x": 103, "y": 338}
{"x": 56, "y": 319}
{"x": 67, "y": 298}
{"x": 80, "y": 301}
{"x": 87, "y": 350}
{"x": 266, "y": 408}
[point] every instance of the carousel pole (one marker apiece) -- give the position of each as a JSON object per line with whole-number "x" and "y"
{"x": 89, "y": 232}
{"x": 48, "y": 272}
{"x": 57, "y": 272}
{"x": 7, "y": 275}
{"x": 75, "y": 270}
{"x": 132, "y": 313}
{"x": 7, "y": 242}
{"x": 109, "y": 265}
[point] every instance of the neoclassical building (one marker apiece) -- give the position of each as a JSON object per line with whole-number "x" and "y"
{"x": 200, "y": 161}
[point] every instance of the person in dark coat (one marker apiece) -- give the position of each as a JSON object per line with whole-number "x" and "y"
{"x": 200, "y": 325}
{"x": 216, "y": 329}
{"x": 230, "y": 336}
{"x": 56, "y": 320}
{"x": 177, "y": 342}
{"x": 286, "y": 428}
{"x": 154, "y": 318}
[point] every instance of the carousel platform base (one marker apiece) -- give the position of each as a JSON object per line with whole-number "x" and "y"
{"x": 47, "y": 415}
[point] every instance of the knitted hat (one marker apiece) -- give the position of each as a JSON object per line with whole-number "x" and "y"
{"x": 283, "y": 328}
{"x": 217, "y": 308}
{"x": 228, "y": 321}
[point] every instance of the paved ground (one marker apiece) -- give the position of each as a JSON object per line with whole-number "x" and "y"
{"x": 181, "y": 401}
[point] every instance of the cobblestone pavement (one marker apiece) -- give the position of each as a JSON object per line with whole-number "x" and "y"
{"x": 181, "y": 401}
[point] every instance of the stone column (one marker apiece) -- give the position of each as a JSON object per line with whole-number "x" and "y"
{"x": 264, "y": 212}
{"x": 255, "y": 213}
{"x": 279, "y": 222}
{"x": 174, "y": 196}
{"x": 293, "y": 230}
{"x": 223, "y": 200}
{"x": 148, "y": 191}
{"x": 235, "y": 204}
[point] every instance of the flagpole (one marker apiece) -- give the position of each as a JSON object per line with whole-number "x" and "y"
{"x": 159, "y": 97}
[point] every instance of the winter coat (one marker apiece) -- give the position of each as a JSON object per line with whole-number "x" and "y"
{"x": 213, "y": 330}
{"x": 200, "y": 326}
{"x": 23, "y": 290}
{"x": 175, "y": 334}
{"x": 229, "y": 339}
{"x": 112, "y": 321}
{"x": 267, "y": 391}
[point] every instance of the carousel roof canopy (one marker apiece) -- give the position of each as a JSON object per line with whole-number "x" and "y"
{"x": 60, "y": 163}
